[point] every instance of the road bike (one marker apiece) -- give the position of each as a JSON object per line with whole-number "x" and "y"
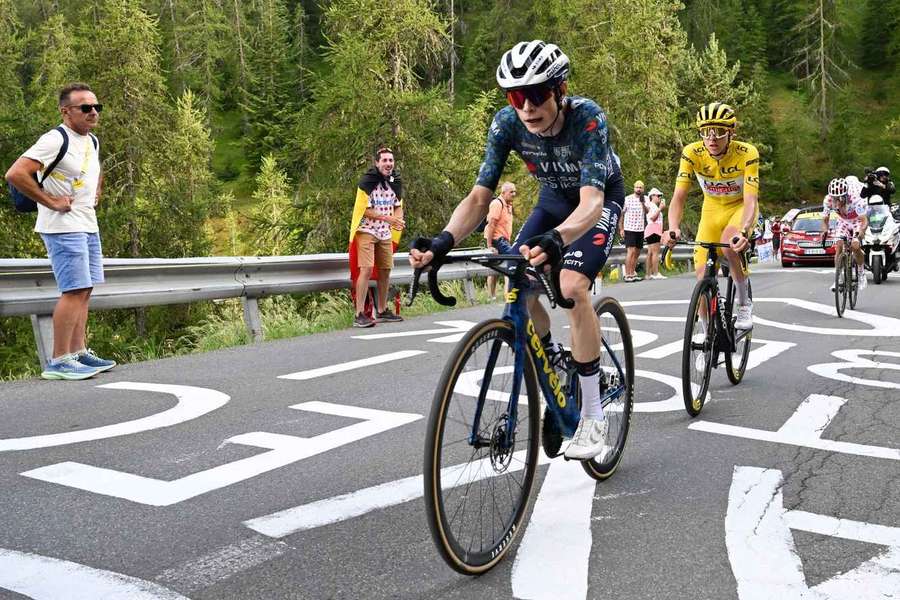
{"x": 846, "y": 284}
{"x": 709, "y": 332}
{"x": 481, "y": 448}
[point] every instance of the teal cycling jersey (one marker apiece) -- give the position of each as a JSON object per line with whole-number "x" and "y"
{"x": 579, "y": 155}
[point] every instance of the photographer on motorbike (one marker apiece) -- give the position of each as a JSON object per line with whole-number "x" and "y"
{"x": 878, "y": 183}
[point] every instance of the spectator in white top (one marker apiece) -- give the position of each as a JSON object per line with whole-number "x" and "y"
{"x": 631, "y": 228}
{"x": 653, "y": 233}
{"x": 67, "y": 222}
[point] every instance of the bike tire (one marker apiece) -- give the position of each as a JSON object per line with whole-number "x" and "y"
{"x": 704, "y": 294}
{"x": 449, "y": 455}
{"x": 840, "y": 285}
{"x": 853, "y": 292}
{"x": 877, "y": 268}
{"x": 619, "y": 380}
{"x": 742, "y": 345}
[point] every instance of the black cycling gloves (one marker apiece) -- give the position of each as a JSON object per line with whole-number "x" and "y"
{"x": 552, "y": 244}
{"x": 439, "y": 245}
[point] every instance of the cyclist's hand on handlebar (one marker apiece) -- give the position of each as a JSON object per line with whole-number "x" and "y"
{"x": 423, "y": 250}
{"x": 543, "y": 249}
{"x": 739, "y": 243}
{"x": 671, "y": 236}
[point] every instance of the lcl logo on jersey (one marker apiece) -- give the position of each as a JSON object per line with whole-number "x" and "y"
{"x": 726, "y": 170}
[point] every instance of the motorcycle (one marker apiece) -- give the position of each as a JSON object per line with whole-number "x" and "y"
{"x": 881, "y": 241}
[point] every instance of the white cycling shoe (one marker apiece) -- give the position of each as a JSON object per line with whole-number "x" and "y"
{"x": 861, "y": 278}
{"x": 744, "y": 318}
{"x": 589, "y": 440}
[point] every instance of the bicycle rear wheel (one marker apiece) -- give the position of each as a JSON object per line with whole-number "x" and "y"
{"x": 617, "y": 370}
{"x": 697, "y": 352}
{"x": 840, "y": 284}
{"x": 477, "y": 486}
{"x": 741, "y": 341}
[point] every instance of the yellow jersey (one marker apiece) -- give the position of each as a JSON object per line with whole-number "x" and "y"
{"x": 723, "y": 181}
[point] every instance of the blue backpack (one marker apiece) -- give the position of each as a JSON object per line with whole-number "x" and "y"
{"x": 25, "y": 204}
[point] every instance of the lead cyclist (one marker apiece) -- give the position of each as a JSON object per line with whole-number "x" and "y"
{"x": 564, "y": 142}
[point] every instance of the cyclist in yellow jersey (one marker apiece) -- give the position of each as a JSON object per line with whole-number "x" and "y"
{"x": 728, "y": 173}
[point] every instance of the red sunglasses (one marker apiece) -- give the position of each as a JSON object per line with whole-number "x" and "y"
{"x": 537, "y": 95}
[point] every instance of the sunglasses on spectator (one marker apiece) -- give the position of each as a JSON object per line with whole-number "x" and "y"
{"x": 537, "y": 95}
{"x": 87, "y": 108}
{"x": 715, "y": 133}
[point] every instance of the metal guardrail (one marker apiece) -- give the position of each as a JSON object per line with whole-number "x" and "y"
{"x": 27, "y": 286}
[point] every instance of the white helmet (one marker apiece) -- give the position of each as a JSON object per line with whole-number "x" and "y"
{"x": 838, "y": 187}
{"x": 532, "y": 63}
{"x": 884, "y": 170}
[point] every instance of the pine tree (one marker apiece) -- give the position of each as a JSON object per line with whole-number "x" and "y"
{"x": 53, "y": 65}
{"x": 269, "y": 230}
{"x": 268, "y": 98}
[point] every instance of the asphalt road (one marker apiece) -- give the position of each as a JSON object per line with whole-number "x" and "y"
{"x": 174, "y": 478}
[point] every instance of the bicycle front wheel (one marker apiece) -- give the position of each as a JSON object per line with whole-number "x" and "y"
{"x": 617, "y": 370}
{"x": 854, "y": 282}
{"x": 700, "y": 332}
{"x": 840, "y": 285}
{"x": 742, "y": 339}
{"x": 478, "y": 474}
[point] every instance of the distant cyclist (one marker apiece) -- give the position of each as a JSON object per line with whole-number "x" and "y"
{"x": 851, "y": 210}
{"x": 564, "y": 142}
{"x": 728, "y": 173}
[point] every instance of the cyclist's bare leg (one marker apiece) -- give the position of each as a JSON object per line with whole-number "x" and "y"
{"x": 734, "y": 260}
{"x": 585, "y": 326}
{"x": 538, "y": 315}
{"x": 857, "y": 252}
{"x": 838, "y": 250}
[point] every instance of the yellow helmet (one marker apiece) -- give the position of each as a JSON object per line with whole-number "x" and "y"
{"x": 716, "y": 114}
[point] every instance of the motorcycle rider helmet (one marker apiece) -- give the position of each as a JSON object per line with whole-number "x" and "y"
{"x": 883, "y": 171}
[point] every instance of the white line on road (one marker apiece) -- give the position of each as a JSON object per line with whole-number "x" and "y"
{"x": 44, "y": 578}
{"x": 856, "y": 361}
{"x": 452, "y": 327}
{"x": 282, "y": 449}
{"x": 193, "y": 402}
{"x": 353, "y": 364}
{"x": 804, "y": 429}
{"x": 355, "y": 504}
{"x": 223, "y": 563}
{"x": 556, "y": 548}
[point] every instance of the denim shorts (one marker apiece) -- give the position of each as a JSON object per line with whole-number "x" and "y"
{"x": 76, "y": 258}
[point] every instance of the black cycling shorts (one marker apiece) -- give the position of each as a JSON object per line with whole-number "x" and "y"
{"x": 587, "y": 254}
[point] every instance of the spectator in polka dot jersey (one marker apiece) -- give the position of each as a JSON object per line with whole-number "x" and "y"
{"x": 379, "y": 193}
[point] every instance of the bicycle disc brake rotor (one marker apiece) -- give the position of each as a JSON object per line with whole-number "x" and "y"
{"x": 501, "y": 452}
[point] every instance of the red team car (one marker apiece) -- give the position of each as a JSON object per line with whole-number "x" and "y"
{"x": 801, "y": 238}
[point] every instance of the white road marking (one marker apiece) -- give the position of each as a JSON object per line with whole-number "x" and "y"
{"x": 554, "y": 552}
{"x": 354, "y": 504}
{"x": 193, "y": 402}
{"x": 882, "y": 326}
{"x": 770, "y": 349}
{"x": 353, "y": 364}
{"x": 223, "y": 563}
{"x": 804, "y": 429}
{"x": 454, "y": 330}
{"x": 282, "y": 451}
{"x": 855, "y": 361}
{"x": 44, "y": 578}
{"x": 764, "y": 559}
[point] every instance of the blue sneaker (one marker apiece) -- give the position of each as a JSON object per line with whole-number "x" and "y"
{"x": 67, "y": 367}
{"x": 89, "y": 358}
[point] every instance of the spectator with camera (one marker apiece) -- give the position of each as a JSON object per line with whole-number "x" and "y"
{"x": 878, "y": 183}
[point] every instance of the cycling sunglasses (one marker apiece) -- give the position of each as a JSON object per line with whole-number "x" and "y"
{"x": 86, "y": 108}
{"x": 715, "y": 133}
{"x": 537, "y": 95}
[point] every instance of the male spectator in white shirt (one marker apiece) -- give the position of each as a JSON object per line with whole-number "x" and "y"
{"x": 631, "y": 228}
{"x": 67, "y": 222}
